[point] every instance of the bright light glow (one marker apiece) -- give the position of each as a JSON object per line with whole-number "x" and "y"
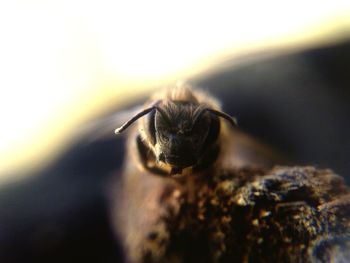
{"x": 53, "y": 54}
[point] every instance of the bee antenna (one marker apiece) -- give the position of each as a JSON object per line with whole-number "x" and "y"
{"x": 162, "y": 112}
{"x": 201, "y": 109}
{"x": 224, "y": 115}
{"x": 198, "y": 112}
{"x": 139, "y": 115}
{"x": 133, "y": 119}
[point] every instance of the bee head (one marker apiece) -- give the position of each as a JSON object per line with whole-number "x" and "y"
{"x": 180, "y": 131}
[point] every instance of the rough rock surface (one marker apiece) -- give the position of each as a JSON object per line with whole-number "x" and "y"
{"x": 287, "y": 214}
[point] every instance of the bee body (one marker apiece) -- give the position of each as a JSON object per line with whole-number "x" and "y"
{"x": 180, "y": 129}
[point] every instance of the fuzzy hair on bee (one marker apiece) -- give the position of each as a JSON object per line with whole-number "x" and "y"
{"x": 180, "y": 129}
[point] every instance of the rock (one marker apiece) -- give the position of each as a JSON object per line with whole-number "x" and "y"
{"x": 286, "y": 214}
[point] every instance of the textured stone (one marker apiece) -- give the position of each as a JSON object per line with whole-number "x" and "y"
{"x": 287, "y": 214}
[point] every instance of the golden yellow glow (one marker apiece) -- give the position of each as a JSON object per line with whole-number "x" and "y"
{"x": 62, "y": 61}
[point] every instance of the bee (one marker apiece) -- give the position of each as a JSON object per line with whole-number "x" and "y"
{"x": 180, "y": 129}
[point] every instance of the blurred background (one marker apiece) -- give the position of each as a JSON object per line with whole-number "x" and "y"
{"x": 282, "y": 68}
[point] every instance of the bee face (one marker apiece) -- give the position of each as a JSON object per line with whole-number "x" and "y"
{"x": 181, "y": 134}
{"x": 178, "y": 132}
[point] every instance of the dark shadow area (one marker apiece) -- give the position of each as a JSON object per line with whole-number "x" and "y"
{"x": 60, "y": 215}
{"x": 299, "y": 103}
